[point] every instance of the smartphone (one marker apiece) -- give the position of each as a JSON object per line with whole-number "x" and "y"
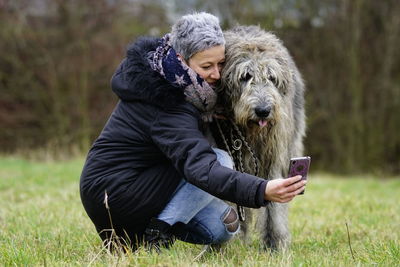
{"x": 299, "y": 166}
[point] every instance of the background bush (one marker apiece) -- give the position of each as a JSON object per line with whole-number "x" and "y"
{"x": 57, "y": 58}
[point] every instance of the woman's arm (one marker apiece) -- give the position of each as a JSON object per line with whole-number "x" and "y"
{"x": 176, "y": 133}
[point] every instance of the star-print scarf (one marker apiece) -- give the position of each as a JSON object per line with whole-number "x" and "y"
{"x": 197, "y": 91}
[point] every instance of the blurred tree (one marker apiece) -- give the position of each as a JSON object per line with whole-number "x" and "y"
{"x": 350, "y": 64}
{"x": 57, "y": 58}
{"x": 56, "y": 62}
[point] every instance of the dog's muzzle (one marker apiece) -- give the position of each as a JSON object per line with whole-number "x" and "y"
{"x": 262, "y": 114}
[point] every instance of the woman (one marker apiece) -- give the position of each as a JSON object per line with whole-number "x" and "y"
{"x": 152, "y": 175}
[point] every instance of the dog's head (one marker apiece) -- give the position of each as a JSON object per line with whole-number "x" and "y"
{"x": 257, "y": 77}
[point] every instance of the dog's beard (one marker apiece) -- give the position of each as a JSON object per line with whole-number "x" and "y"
{"x": 245, "y": 114}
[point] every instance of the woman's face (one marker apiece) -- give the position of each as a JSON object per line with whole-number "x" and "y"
{"x": 208, "y": 63}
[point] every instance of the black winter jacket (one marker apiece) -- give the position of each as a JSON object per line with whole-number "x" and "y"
{"x": 152, "y": 140}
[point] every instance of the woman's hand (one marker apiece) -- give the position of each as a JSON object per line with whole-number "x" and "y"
{"x": 284, "y": 190}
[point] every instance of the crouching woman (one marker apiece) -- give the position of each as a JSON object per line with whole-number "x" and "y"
{"x": 151, "y": 176}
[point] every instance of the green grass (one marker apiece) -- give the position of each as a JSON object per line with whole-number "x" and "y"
{"x": 42, "y": 222}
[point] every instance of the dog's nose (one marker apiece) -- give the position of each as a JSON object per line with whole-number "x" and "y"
{"x": 262, "y": 112}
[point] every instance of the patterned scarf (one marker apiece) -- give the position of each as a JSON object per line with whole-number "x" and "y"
{"x": 197, "y": 91}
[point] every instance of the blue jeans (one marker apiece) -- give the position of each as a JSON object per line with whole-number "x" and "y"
{"x": 197, "y": 217}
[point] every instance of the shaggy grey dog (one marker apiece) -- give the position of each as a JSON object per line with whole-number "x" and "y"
{"x": 264, "y": 94}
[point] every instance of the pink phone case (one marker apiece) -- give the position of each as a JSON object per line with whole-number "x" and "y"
{"x": 299, "y": 166}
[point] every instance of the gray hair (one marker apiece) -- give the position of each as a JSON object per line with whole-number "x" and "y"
{"x": 195, "y": 33}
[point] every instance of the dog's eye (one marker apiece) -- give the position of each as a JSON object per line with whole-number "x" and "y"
{"x": 273, "y": 79}
{"x": 246, "y": 77}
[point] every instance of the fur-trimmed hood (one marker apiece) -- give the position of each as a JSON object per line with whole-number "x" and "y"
{"x": 135, "y": 80}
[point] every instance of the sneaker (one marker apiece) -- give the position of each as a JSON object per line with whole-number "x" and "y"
{"x": 157, "y": 235}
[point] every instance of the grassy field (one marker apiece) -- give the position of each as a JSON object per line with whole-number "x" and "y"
{"x": 43, "y": 223}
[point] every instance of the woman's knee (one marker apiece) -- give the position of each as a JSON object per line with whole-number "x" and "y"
{"x": 230, "y": 226}
{"x": 231, "y": 221}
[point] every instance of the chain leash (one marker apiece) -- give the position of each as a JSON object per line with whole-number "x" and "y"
{"x": 235, "y": 151}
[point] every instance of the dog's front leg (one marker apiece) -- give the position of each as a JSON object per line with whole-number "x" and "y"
{"x": 274, "y": 226}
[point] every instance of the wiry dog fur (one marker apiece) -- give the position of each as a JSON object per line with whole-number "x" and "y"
{"x": 264, "y": 93}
